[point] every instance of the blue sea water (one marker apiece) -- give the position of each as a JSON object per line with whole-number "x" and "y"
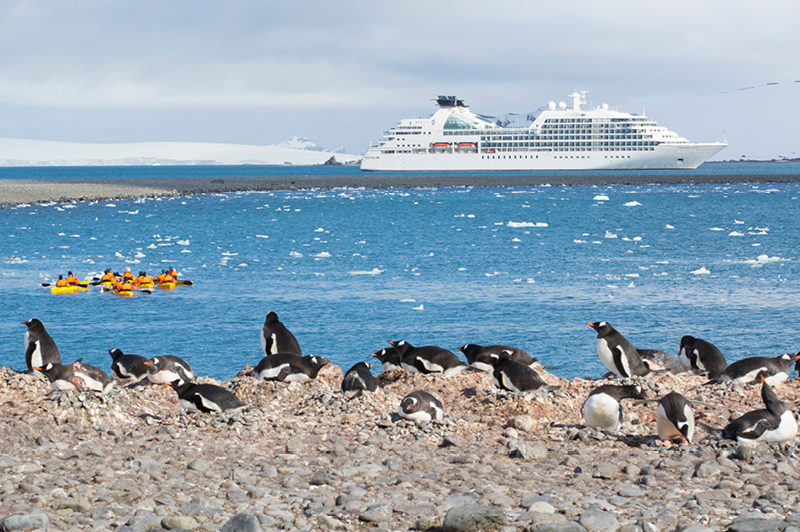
{"x": 348, "y": 269}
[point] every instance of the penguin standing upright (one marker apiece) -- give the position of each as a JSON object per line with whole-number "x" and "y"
{"x": 428, "y": 359}
{"x": 702, "y": 356}
{"x": 421, "y": 406}
{"x": 602, "y": 409}
{"x": 40, "y": 349}
{"x": 517, "y": 377}
{"x": 276, "y": 338}
{"x": 776, "y": 423}
{"x": 164, "y": 369}
{"x": 617, "y": 353}
{"x": 675, "y": 419}
{"x": 93, "y": 378}
{"x": 127, "y": 366}
{"x": 205, "y": 397}
{"x": 288, "y": 367}
{"x": 359, "y": 377}
{"x": 775, "y": 370}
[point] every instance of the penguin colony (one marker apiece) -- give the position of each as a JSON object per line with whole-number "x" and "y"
{"x": 512, "y": 369}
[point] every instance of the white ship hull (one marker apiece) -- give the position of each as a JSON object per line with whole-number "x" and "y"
{"x": 687, "y": 157}
{"x": 454, "y": 139}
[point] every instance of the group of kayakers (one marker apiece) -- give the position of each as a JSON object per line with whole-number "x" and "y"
{"x": 128, "y": 282}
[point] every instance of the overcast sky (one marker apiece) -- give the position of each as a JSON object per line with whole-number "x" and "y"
{"x": 341, "y": 73}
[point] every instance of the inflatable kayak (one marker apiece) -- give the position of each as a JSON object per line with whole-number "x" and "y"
{"x": 122, "y": 293}
{"x": 64, "y": 289}
{"x": 166, "y": 286}
{"x": 145, "y": 286}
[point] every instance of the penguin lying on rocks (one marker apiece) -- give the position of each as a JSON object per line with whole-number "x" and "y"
{"x": 288, "y": 367}
{"x": 61, "y": 376}
{"x": 127, "y": 366}
{"x": 421, "y": 406}
{"x": 775, "y": 423}
{"x": 748, "y": 370}
{"x": 359, "y": 378}
{"x": 602, "y": 409}
{"x": 167, "y": 368}
{"x": 428, "y": 359}
{"x": 485, "y": 357}
{"x": 205, "y": 397}
{"x": 516, "y": 377}
{"x": 389, "y": 358}
{"x": 93, "y": 378}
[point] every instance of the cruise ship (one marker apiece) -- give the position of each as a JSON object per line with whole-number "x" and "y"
{"x": 560, "y": 138}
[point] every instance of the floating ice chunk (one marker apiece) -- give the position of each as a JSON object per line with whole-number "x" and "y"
{"x": 516, "y": 240}
{"x": 526, "y": 224}
{"x": 531, "y": 280}
{"x": 462, "y": 269}
{"x": 110, "y": 205}
{"x": 637, "y": 239}
{"x": 295, "y": 254}
{"x": 373, "y": 271}
{"x": 185, "y": 251}
{"x": 609, "y": 234}
{"x": 579, "y": 241}
{"x": 716, "y": 229}
{"x": 228, "y": 254}
{"x": 600, "y": 197}
{"x": 631, "y": 275}
{"x": 421, "y": 307}
{"x": 632, "y": 204}
{"x": 670, "y": 227}
{"x": 470, "y": 216}
{"x": 319, "y": 230}
{"x": 262, "y": 236}
{"x": 152, "y": 246}
{"x": 183, "y": 242}
{"x": 119, "y": 255}
{"x": 632, "y": 285}
{"x": 324, "y": 254}
{"x": 408, "y": 300}
{"x": 735, "y": 233}
{"x": 739, "y": 222}
{"x": 702, "y": 271}
{"x": 140, "y": 255}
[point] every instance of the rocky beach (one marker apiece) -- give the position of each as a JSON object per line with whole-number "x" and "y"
{"x": 17, "y": 191}
{"x": 308, "y": 457}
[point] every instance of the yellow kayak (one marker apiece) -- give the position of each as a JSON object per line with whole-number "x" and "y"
{"x": 123, "y": 293}
{"x": 166, "y": 286}
{"x": 64, "y": 289}
{"x": 145, "y": 286}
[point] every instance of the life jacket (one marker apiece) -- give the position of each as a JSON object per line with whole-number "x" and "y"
{"x": 168, "y": 279}
{"x": 124, "y": 286}
{"x": 128, "y": 276}
{"x": 144, "y": 279}
{"x": 61, "y": 283}
{"x": 72, "y": 280}
{"x": 108, "y": 278}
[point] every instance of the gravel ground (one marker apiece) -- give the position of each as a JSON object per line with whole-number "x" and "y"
{"x": 16, "y": 191}
{"x": 307, "y": 457}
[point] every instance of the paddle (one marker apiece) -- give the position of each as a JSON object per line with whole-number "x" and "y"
{"x": 186, "y": 282}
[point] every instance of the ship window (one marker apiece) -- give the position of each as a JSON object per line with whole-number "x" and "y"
{"x": 453, "y": 122}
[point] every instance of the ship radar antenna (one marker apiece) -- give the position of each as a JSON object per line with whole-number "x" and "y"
{"x": 578, "y": 99}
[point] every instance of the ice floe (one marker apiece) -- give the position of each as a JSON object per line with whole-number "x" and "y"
{"x": 701, "y": 271}
{"x": 735, "y": 233}
{"x": 632, "y": 204}
{"x": 526, "y": 224}
{"x": 600, "y": 197}
{"x": 373, "y": 271}
{"x": 609, "y": 234}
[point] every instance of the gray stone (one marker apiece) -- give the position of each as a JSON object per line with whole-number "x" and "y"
{"x": 757, "y": 525}
{"x": 697, "y": 528}
{"x": 596, "y": 521}
{"x": 541, "y": 507}
{"x": 563, "y": 526}
{"x": 523, "y": 423}
{"x": 199, "y": 465}
{"x": 707, "y": 468}
{"x": 606, "y": 471}
{"x": 21, "y": 522}
{"x": 6, "y": 463}
{"x": 241, "y": 522}
{"x": 172, "y": 522}
{"x": 426, "y": 523}
{"x": 474, "y": 518}
{"x": 376, "y": 513}
{"x": 530, "y": 452}
{"x": 631, "y": 491}
{"x": 320, "y": 478}
{"x": 295, "y": 445}
{"x": 451, "y": 440}
{"x": 80, "y": 505}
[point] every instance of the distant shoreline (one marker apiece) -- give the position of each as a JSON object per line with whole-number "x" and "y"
{"x": 21, "y": 191}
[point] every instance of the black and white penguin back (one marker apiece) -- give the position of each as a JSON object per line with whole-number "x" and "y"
{"x": 421, "y": 406}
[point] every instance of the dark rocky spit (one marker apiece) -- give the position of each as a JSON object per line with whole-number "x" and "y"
{"x": 308, "y": 457}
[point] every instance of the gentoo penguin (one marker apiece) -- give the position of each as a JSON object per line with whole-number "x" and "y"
{"x": 276, "y": 338}
{"x": 428, "y": 359}
{"x": 776, "y": 423}
{"x": 93, "y": 378}
{"x": 359, "y": 377}
{"x": 656, "y": 359}
{"x": 127, "y": 366}
{"x": 774, "y": 370}
{"x": 390, "y": 359}
{"x": 602, "y": 410}
{"x": 288, "y": 367}
{"x": 484, "y": 357}
{"x": 617, "y": 353}
{"x": 420, "y": 406}
{"x": 702, "y": 356}
{"x": 675, "y": 419}
{"x": 516, "y": 377}
{"x": 167, "y": 368}
{"x": 205, "y": 397}
{"x": 61, "y": 376}
{"x": 40, "y": 349}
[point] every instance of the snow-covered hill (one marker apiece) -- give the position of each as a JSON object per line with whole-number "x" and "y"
{"x": 295, "y": 151}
